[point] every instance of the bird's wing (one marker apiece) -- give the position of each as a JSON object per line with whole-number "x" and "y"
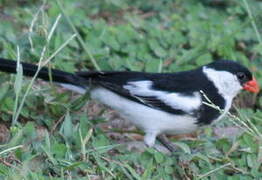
{"x": 173, "y": 102}
{"x": 139, "y": 87}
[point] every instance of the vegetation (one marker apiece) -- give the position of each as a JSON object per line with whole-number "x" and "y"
{"x": 49, "y": 133}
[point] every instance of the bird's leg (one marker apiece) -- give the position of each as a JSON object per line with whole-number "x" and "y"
{"x": 150, "y": 138}
{"x": 165, "y": 142}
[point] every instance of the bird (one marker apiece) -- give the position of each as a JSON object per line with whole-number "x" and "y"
{"x": 157, "y": 103}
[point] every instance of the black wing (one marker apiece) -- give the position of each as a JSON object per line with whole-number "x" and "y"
{"x": 118, "y": 82}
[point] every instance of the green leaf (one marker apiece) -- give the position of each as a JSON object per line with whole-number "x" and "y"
{"x": 201, "y": 156}
{"x": 149, "y": 170}
{"x": 183, "y": 146}
{"x": 159, "y": 157}
{"x": 156, "y": 48}
{"x": 67, "y": 126}
{"x": 3, "y": 91}
{"x": 58, "y": 150}
{"x": 152, "y": 65}
{"x": 169, "y": 169}
{"x": 204, "y": 59}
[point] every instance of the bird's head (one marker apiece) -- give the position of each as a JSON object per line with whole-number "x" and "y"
{"x": 230, "y": 77}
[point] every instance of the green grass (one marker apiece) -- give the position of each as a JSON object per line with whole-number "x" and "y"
{"x": 46, "y": 133}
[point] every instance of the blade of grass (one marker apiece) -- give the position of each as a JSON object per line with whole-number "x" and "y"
{"x": 84, "y": 142}
{"x": 47, "y": 149}
{"x": 251, "y": 125}
{"x": 17, "y": 85}
{"x": 241, "y": 123}
{"x": 250, "y": 15}
{"x": 11, "y": 149}
{"x": 129, "y": 171}
{"x": 213, "y": 171}
{"x": 37, "y": 72}
{"x": 83, "y": 44}
{"x": 32, "y": 26}
{"x": 41, "y": 64}
{"x": 53, "y": 28}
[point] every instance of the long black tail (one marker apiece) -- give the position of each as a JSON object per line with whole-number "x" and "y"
{"x": 30, "y": 70}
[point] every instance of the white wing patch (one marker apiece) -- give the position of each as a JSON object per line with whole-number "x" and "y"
{"x": 175, "y": 100}
{"x": 141, "y": 88}
{"x": 186, "y": 103}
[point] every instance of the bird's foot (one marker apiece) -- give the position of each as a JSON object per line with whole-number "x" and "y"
{"x": 165, "y": 142}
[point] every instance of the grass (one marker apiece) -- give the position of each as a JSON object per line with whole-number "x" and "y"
{"x": 49, "y": 133}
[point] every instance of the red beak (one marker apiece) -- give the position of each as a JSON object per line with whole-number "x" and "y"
{"x": 251, "y": 86}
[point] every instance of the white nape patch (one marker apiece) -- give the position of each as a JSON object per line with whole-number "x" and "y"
{"x": 175, "y": 100}
{"x": 151, "y": 120}
{"x": 74, "y": 88}
{"x": 226, "y": 83}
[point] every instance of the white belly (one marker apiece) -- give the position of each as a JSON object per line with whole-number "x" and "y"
{"x": 149, "y": 119}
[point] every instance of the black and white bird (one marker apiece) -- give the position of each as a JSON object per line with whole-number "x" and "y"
{"x": 158, "y": 103}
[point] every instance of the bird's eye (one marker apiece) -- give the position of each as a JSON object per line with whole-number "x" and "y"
{"x": 241, "y": 75}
